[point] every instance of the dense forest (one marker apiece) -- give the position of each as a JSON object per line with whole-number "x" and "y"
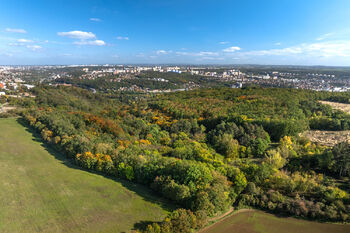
{"x": 205, "y": 150}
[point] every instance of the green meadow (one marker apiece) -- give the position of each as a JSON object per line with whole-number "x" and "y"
{"x": 42, "y": 191}
{"x": 254, "y": 221}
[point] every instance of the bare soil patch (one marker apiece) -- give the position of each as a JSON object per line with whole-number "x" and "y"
{"x": 327, "y": 138}
{"x": 338, "y": 106}
{"x": 5, "y": 108}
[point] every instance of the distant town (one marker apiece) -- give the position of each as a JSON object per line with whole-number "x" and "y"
{"x": 165, "y": 78}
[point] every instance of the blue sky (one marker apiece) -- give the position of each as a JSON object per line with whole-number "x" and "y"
{"x": 298, "y": 32}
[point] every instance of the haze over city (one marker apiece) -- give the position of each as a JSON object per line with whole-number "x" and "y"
{"x": 175, "y": 32}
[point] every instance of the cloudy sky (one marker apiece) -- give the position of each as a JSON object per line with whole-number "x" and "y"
{"x": 297, "y": 32}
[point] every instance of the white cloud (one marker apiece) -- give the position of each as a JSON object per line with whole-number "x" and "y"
{"x": 207, "y": 54}
{"x": 163, "y": 52}
{"x": 182, "y": 53}
{"x": 321, "y": 49}
{"x": 85, "y": 38}
{"x": 211, "y": 58}
{"x": 78, "y": 35}
{"x": 202, "y": 56}
{"x": 24, "y": 41}
{"x": 197, "y": 54}
{"x": 90, "y": 42}
{"x": 95, "y": 19}
{"x": 284, "y": 51}
{"x": 324, "y": 36}
{"x": 231, "y": 49}
{"x": 331, "y": 48}
{"x": 16, "y": 30}
{"x": 122, "y": 38}
{"x": 278, "y": 43}
{"x": 6, "y": 54}
{"x": 16, "y": 44}
{"x": 34, "y": 47}
{"x": 224, "y": 42}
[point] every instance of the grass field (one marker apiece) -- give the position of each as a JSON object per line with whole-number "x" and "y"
{"x": 254, "y": 221}
{"x": 41, "y": 191}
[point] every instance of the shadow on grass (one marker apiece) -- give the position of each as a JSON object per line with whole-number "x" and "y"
{"x": 142, "y": 225}
{"x": 141, "y": 190}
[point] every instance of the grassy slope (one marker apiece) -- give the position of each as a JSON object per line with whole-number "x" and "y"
{"x": 260, "y": 222}
{"x": 43, "y": 192}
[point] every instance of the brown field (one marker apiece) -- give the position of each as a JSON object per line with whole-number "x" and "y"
{"x": 338, "y": 106}
{"x": 327, "y": 138}
{"x": 254, "y": 221}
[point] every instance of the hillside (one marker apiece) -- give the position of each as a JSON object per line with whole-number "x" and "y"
{"x": 205, "y": 150}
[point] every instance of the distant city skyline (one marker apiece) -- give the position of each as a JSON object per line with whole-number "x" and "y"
{"x": 276, "y": 32}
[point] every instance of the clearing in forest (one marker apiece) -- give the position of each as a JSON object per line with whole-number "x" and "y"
{"x": 337, "y": 106}
{"x": 327, "y": 138}
{"x": 330, "y": 138}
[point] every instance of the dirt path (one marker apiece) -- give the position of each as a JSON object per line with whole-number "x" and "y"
{"x": 223, "y": 217}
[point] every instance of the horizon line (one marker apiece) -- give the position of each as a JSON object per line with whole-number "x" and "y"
{"x": 177, "y": 64}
